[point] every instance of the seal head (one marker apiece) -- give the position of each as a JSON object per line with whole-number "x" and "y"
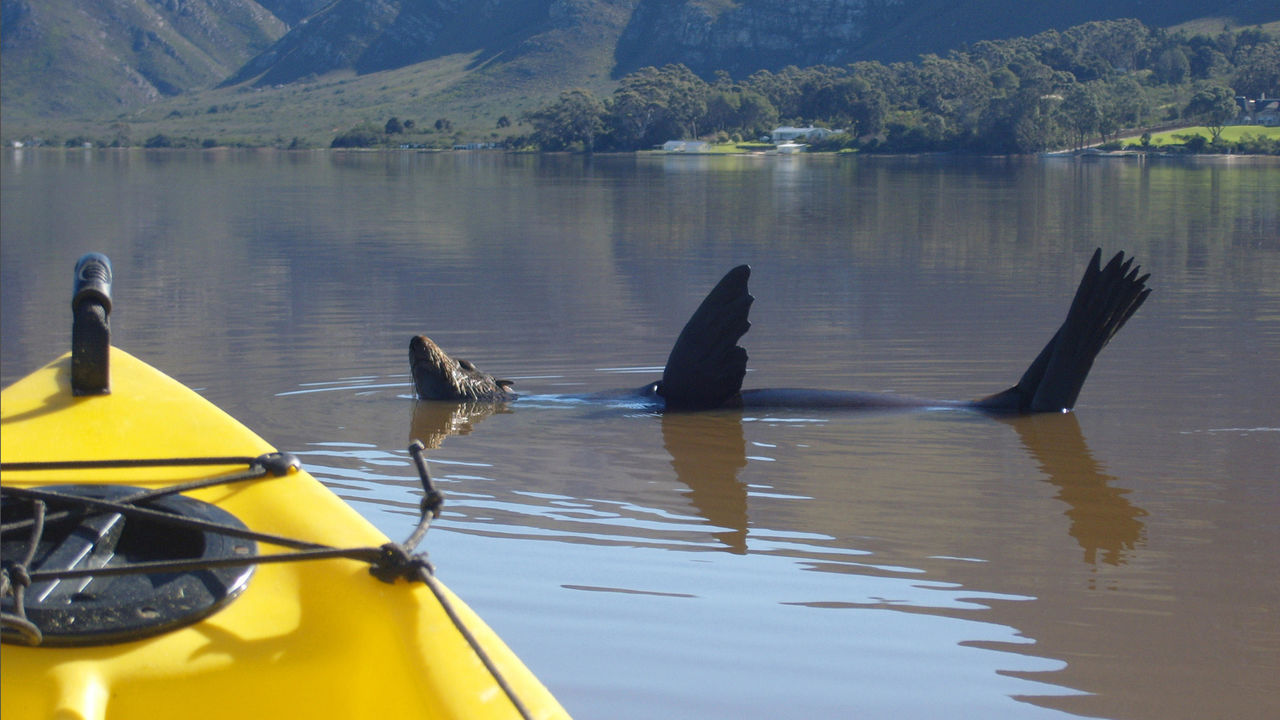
{"x": 436, "y": 376}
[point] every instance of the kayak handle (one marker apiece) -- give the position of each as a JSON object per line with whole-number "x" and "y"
{"x": 91, "y": 326}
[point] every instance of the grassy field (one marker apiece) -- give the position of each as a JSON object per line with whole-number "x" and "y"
{"x": 1231, "y": 133}
{"x": 1168, "y": 138}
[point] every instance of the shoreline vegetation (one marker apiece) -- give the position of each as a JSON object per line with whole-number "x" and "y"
{"x": 1187, "y": 142}
{"x": 1092, "y": 88}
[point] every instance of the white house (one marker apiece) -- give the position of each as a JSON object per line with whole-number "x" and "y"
{"x": 1262, "y": 111}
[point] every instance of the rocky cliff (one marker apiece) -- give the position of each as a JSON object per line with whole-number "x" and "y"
{"x": 742, "y": 36}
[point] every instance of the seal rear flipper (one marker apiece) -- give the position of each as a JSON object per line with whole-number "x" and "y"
{"x": 706, "y": 365}
{"x": 1104, "y": 302}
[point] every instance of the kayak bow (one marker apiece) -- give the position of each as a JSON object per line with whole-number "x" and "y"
{"x": 109, "y": 464}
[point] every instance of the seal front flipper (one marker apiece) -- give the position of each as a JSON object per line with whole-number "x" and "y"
{"x": 1106, "y": 298}
{"x": 706, "y": 365}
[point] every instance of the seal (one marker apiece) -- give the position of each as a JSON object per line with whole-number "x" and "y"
{"x": 706, "y": 366}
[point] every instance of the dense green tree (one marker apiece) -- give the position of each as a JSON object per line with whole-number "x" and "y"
{"x": 1081, "y": 112}
{"x": 1115, "y": 45}
{"x": 1215, "y": 106}
{"x": 831, "y": 97}
{"x": 686, "y": 98}
{"x": 928, "y": 132}
{"x": 576, "y": 118}
{"x": 783, "y": 89}
{"x": 1036, "y": 127}
{"x": 1250, "y": 37}
{"x": 867, "y": 116}
{"x": 1171, "y": 66}
{"x": 723, "y": 106}
{"x": 361, "y": 136}
{"x": 1123, "y": 103}
{"x": 1020, "y": 95}
{"x": 738, "y": 110}
{"x": 756, "y": 115}
{"x": 1205, "y": 59}
{"x": 393, "y": 126}
{"x": 633, "y": 118}
{"x": 956, "y": 91}
{"x": 1226, "y": 43}
{"x": 653, "y": 105}
{"x": 1258, "y": 71}
{"x": 1004, "y": 81}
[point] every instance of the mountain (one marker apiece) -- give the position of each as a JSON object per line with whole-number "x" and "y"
{"x": 372, "y": 35}
{"x": 484, "y": 58}
{"x": 740, "y": 36}
{"x": 292, "y": 12}
{"x": 104, "y": 56}
{"x": 521, "y": 37}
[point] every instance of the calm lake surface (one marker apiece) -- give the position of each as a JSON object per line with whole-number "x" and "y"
{"x": 1121, "y": 561}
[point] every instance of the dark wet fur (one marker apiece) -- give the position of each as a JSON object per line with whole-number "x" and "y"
{"x": 437, "y": 376}
{"x": 1105, "y": 300}
{"x": 706, "y": 366}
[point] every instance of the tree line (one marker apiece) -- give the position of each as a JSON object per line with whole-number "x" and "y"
{"x": 1049, "y": 91}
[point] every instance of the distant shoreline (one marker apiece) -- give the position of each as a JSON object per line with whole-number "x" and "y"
{"x": 1074, "y": 155}
{"x": 1169, "y": 142}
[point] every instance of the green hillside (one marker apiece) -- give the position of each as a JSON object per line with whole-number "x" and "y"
{"x": 226, "y": 72}
{"x": 64, "y": 58}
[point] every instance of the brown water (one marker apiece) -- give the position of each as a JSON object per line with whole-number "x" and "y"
{"x": 1122, "y": 561}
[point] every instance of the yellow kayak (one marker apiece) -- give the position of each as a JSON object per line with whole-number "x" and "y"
{"x": 229, "y": 620}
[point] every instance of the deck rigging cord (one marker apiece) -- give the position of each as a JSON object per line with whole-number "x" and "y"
{"x": 387, "y": 562}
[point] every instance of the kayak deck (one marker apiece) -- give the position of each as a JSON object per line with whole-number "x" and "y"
{"x": 318, "y": 637}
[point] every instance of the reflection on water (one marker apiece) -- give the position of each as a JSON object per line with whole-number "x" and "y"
{"x": 1102, "y": 518}
{"x": 433, "y": 422}
{"x": 1118, "y": 561}
{"x": 707, "y": 452}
